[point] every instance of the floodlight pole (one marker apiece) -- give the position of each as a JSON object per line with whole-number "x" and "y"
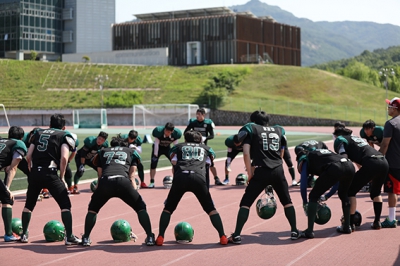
{"x": 386, "y": 72}
{"x": 101, "y": 79}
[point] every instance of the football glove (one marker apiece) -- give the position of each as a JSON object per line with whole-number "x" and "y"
{"x": 305, "y": 207}
{"x": 323, "y": 198}
{"x": 81, "y": 169}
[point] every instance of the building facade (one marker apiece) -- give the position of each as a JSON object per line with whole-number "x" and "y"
{"x": 211, "y": 36}
{"x": 54, "y": 27}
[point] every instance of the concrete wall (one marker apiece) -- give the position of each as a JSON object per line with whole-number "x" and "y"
{"x": 149, "y": 57}
{"x": 123, "y": 117}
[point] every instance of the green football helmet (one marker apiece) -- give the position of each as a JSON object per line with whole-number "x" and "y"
{"x": 93, "y": 185}
{"x": 266, "y": 205}
{"x": 323, "y": 214}
{"x": 241, "y": 180}
{"x": 183, "y": 232}
{"x": 16, "y": 226}
{"x": 54, "y": 231}
{"x": 121, "y": 231}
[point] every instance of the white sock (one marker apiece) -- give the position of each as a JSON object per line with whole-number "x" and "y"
{"x": 392, "y": 213}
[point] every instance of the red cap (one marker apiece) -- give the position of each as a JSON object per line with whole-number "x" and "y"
{"x": 393, "y": 103}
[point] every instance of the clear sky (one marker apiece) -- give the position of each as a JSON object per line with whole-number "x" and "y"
{"x": 316, "y": 10}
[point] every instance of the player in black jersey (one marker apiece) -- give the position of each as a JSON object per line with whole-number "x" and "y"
{"x": 116, "y": 167}
{"x": 263, "y": 148}
{"x": 331, "y": 169}
{"x": 374, "y": 168}
{"x": 48, "y": 152}
{"x": 206, "y": 127}
{"x": 189, "y": 160}
{"x": 12, "y": 151}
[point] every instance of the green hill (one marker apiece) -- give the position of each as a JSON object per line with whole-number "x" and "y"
{"x": 277, "y": 89}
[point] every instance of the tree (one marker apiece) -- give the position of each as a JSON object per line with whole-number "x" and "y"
{"x": 34, "y": 55}
{"x": 85, "y": 59}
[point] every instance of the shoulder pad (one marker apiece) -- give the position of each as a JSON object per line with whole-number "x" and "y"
{"x": 71, "y": 141}
{"x": 177, "y": 133}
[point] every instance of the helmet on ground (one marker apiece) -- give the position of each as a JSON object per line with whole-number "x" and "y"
{"x": 183, "y": 232}
{"x": 121, "y": 231}
{"x": 266, "y": 205}
{"x": 167, "y": 181}
{"x": 16, "y": 226}
{"x": 93, "y": 185}
{"x": 357, "y": 218}
{"x": 137, "y": 183}
{"x": 323, "y": 214}
{"x": 241, "y": 180}
{"x": 54, "y": 231}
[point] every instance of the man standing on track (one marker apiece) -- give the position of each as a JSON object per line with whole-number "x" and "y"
{"x": 189, "y": 160}
{"x": 234, "y": 148}
{"x": 116, "y": 178}
{"x": 206, "y": 128}
{"x": 263, "y": 148}
{"x": 48, "y": 152}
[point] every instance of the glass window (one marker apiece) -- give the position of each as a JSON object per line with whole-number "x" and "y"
{"x": 25, "y": 45}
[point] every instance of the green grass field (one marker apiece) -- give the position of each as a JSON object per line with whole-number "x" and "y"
{"x": 218, "y": 145}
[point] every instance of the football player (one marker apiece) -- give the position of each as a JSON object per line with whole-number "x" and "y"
{"x": 234, "y": 148}
{"x": 164, "y": 136}
{"x": 331, "y": 169}
{"x": 48, "y": 152}
{"x": 372, "y": 133}
{"x": 189, "y": 160}
{"x": 263, "y": 147}
{"x": 135, "y": 142}
{"x": 372, "y": 167}
{"x": 12, "y": 151}
{"x": 116, "y": 178}
{"x": 206, "y": 128}
{"x": 85, "y": 155}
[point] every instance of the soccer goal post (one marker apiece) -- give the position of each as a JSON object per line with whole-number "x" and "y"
{"x": 4, "y": 123}
{"x": 90, "y": 118}
{"x": 149, "y": 115}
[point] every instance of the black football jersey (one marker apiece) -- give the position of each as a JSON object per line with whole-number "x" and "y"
{"x": 117, "y": 160}
{"x": 266, "y": 144}
{"x": 318, "y": 160}
{"x": 192, "y": 156}
{"x": 48, "y": 144}
{"x": 355, "y": 147}
{"x": 7, "y": 149}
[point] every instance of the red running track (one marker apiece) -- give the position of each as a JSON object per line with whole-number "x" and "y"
{"x": 264, "y": 242}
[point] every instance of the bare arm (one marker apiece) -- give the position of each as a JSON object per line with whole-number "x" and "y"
{"x": 156, "y": 146}
{"x": 132, "y": 171}
{"x": 384, "y": 145}
{"x": 247, "y": 160}
{"x": 29, "y": 156}
{"x": 64, "y": 159}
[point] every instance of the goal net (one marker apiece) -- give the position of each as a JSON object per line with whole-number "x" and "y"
{"x": 90, "y": 118}
{"x": 151, "y": 115}
{"x": 4, "y": 123}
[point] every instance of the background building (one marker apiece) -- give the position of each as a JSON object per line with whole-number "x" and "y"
{"x": 211, "y": 36}
{"x": 53, "y": 27}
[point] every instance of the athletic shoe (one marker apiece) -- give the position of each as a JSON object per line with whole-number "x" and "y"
{"x": 218, "y": 182}
{"x": 24, "y": 238}
{"x": 45, "y": 193}
{"x": 11, "y": 238}
{"x": 223, "y": 240}
{"x": 86, "y": 242}
{"x": 344, "y": 230}
{"x": 150, "y": 241}
{"x": 295, "y": 235}
{"x": 234, "y": 239}
{"x": 160, "y": 241}
{"x": 389, "y": 224}
{"x": 376, "y": 225}
{"x": 73, "y": 240}
{"x": 151, "y": 185}
{"x": 353, "y": 227}
{"x": 143, "y": 185}
{"x": 294, "y": 183}
{"x": 306, "y": 234}
{"x": 226, "y": 181}
{"x": 76, "y": 190}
